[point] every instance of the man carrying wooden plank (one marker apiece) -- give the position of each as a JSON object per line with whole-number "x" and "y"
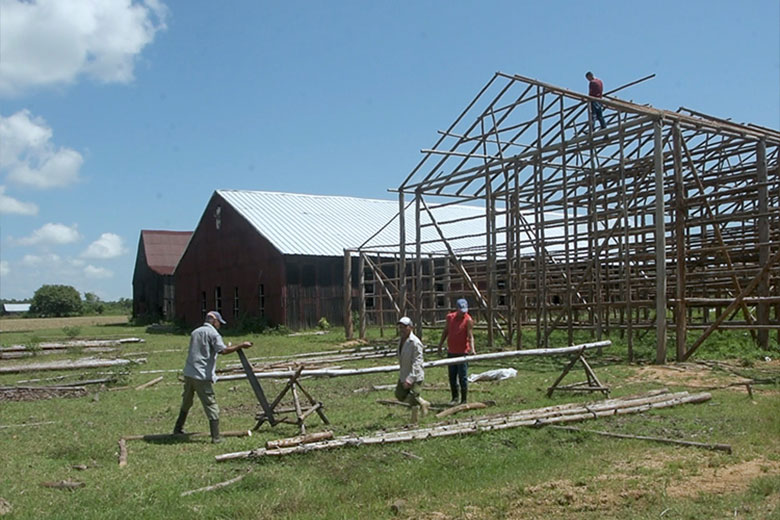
{"x": 200, "y": 372}
{"x": 411, "y": 374}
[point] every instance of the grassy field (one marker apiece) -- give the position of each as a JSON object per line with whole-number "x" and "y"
{"x": 55, "y": 324}
{"x": 516, "y": 473}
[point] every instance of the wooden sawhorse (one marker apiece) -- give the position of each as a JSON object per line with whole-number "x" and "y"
{"x": 270, "y": 412}
{"x": 592, "y": 384}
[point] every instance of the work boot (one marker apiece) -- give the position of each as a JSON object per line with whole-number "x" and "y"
{"x": 214, "y": 427}
{"x": 179, "y": 428}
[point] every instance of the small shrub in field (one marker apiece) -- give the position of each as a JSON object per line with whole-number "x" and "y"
{"x": 323, "y": 324}
{"x": 71, "y": 331}
{"x": 33, "y": 345}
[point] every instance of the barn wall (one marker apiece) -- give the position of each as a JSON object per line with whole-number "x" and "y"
{"x": 228, "y": 254}
{"x": 147, "y": 288}
{"x": 315, "y": 289}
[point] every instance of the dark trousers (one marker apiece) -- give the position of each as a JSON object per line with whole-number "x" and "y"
{"x": 597, "y": 110}
{"x": 458, "y": 375}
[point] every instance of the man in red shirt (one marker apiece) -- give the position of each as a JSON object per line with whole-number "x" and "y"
{"x": 596, "y": 90}
{"x": 459, "y": 333}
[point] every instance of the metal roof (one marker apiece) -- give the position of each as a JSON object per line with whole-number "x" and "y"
{"x": 163, "y": 249}
{"x": 16, "y": 307}
{"x": 325, "y": 225}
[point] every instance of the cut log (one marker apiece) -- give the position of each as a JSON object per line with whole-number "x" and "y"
{"x": 300, "y": 439}
{"x": 392, "y": 402}
{"x": 438, "y": 363}
{"x": 122, "y": 453}
{"x": 67, "y": 364}
{"x": 149, "y": 383}
{"x": 548, "y": 415}
{"x": 173, "y": 436}
{"x": 464, "y": 407}
{"x": 215, "y": 486}
{"x": 716, "y": 447}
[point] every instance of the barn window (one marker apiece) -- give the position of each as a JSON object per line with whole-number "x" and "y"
{"x": 309, "y": 276}
{"x": 235, "y": 303}
{"x": 203, "y": 310}
{"x": 261, "y": 299}
{"x": 218, "y": 299}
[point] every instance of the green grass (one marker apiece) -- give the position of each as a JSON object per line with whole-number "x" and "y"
{"x": 518, "y": 473}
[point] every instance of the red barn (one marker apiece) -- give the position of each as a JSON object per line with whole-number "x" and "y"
{"x": 279, "y": 256}
{"x": 153, "y": 287}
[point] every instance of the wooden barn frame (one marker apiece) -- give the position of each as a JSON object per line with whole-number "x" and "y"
{"x": 664, "y": 220}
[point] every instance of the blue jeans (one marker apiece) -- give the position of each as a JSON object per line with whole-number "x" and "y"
{"x": 458, "y": 375}
{"x": 597, "y": 111}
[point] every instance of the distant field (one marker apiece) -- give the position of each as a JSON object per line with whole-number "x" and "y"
{"x": 31, "y": 324}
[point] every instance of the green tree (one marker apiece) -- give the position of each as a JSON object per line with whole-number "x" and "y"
{"x": 56, "y": 300}
{"x": 92, "y": 304}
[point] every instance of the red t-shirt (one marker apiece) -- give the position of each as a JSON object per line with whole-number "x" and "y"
{"x": 458, "y": 333}
{"x": 595, "y": 87}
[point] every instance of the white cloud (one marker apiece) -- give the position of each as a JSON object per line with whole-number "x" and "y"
{"x": 97, "y": 272}
{"x": 5, "y": 269}
{"x": 108, "y": 245}
{"x": 30, "y": 158}
{"x": 37, "y": 260}
{"x": 52, "y": 234}
{"x": 10, "y": 205}
{"x": 54, "y": 42}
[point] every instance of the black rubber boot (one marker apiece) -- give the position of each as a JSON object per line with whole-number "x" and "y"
{"x": 179, "y": 428}
{"x": 464, "y": 392}
{"x": 214, "y": 427}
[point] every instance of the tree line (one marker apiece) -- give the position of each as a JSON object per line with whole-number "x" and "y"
{"x": 65, "y": 300}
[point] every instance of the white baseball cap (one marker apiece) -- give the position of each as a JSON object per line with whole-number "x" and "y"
{"x": 406, "y": 321}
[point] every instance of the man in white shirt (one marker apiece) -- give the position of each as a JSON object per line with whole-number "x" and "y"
{"x": 200, "y": 372}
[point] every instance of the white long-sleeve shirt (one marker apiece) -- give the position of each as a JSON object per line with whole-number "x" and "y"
{"x": 410, "y": 358}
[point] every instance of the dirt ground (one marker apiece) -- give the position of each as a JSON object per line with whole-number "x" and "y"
{"x": 637, "y": 483}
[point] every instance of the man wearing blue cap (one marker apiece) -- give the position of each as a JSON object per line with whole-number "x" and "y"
{"x": 200, "y": 372}
{"x": 459, "y": 333}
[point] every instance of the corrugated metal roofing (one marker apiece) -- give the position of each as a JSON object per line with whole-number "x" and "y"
{"x": 16, "y": 307}
{"x": 164, "y": 249}
{"x": 324, "y": 225}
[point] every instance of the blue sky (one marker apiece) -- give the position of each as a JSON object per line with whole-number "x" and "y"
{"x": 120, "y": 115}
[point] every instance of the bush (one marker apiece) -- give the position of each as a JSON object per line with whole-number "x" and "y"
{"x": 71, "y": 331}
{"x": 56, "y": 300}
{"x": 323, "y": 324}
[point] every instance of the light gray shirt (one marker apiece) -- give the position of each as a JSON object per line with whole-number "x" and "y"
{"x": 410, "y": 358}
{"x": 205, "y": 344}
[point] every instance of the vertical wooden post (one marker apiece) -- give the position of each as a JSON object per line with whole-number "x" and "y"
{"x": 510, "y": 256}
{"x": 517, "y": 232}
{"x": 626, "y": 251}
{"x": 418, "y": 297}
{"x": 568, "y": 286}
{"x": 490, "y": 207}
{"x": 348, "y": 294}
{"x": 660, "y": 244}
{"x": 401, "y": 275}
{"x": 762, "y": 313}
{"x": 362, "y": 293}
{"x": 680, "y": 216}
{"x": 378, "y": 290}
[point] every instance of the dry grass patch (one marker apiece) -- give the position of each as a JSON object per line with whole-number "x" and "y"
{"x": 33, "y": 324}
